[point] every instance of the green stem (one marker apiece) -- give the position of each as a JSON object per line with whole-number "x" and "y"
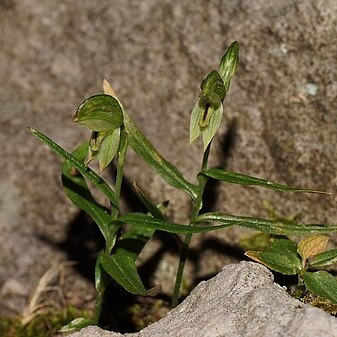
{"x": 121, "y": 154}
{"x": 299, "y": 288}
{"x": 98, "y": 306}
{"x": 119, "y": 174}
{"x": 101, "y": 282}
{"x": 194, "y": 214}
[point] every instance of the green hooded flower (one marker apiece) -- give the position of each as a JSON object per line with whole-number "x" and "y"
{"x": 207, "y": 114}
{"x": 103, "y": 115}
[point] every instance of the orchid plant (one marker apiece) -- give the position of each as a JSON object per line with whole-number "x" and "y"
{"x": 113, "y": 131}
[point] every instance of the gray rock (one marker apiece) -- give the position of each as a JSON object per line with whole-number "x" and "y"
{"x": 241, "y": 301}
{"x": 155, "y": 54}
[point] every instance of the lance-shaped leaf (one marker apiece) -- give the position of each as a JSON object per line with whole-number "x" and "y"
{"x": 76, "y": 324}
{"x": 322, "y": 284}
{"x": 120, "y": 264}
{"x": 312, "y": 245}
{"x": 276, "y": 227}
{"x": 122, "y": 269}
{"x": 99, "y": 113}
{"x": 324, "y": 259}
{"x": 281, "y": 256}
{"x": 78, "y": 192}
{"x": 154, "y": 210}
{"x": 142, "y": 146}
{"x": 147, "y": 202}
{"x": 243, "y": 179}
{"x": 80, "y": 166}
{"x": 229, "y": 64}
{"x": 145, "y": 221}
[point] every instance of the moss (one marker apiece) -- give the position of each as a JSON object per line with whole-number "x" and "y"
{"x": 45, "y": 325}
{"x": 144, "y": 315}
{"x": 319, "y": 302}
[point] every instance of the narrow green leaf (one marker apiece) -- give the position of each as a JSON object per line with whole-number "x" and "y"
{"x": 147, "y": 202}
{"x": 210, "y": 130}
{"x": 108, "y": 148}
{"x": 121, "y": 262}
{"x": 276, "y": 227}
{"x": 146, "y": 221}
{"x": 139, "y": 234}
{"x": 78, "y": 192}
{"x": 322, "y": 284}
{"x": 80, "y": 166}
{"x": 243, "y": 179}
{"x": 324, "y": 259}
{"x": 76, "y": 324}
{"x": 146, "y": 150}
{"x": 281, "y": 256}
{"x": 122, "y": 269}
{"x": 99, "y": 113}
{"x": 229, "y": 64}
{"x": 142, "y": 234}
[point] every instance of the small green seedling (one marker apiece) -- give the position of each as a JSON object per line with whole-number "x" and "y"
{"x": 286, "y": 257}
{"x": 113, "y": 131}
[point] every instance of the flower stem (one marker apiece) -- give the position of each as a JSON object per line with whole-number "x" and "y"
{"x": 120, "y": 166}
{"x": 194, "y": 214}
{"x": 98, "y": 306}
{"x": 121, "y": 154}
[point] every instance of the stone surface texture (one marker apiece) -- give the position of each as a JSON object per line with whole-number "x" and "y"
{"x": 241, "y": 301}
{"x": 281, "y": 108}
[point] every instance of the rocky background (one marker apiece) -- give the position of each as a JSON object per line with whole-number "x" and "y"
{"x": 280, "y": 124}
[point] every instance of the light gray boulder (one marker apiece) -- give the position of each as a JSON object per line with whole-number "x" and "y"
{"x": 241, "y": 301}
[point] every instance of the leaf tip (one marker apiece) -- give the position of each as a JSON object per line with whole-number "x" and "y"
{"x": 254, "y": 255}
{"x": 31, "y": 129}
{"x": 107, "y": 89}
{"x": 153, "y": 291}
